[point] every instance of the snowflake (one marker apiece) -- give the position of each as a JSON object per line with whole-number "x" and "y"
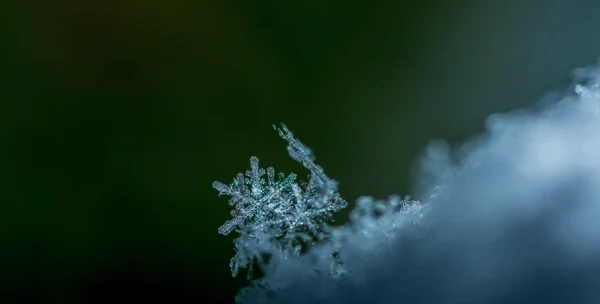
{"x": 278, "y": 215}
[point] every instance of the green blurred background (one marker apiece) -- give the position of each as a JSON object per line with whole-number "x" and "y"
{"x": 116, "y": 117}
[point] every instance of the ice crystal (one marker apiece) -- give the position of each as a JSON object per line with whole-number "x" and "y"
{"x": 276, "y": 214}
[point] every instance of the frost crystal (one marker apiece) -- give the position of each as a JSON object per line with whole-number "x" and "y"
{"x": 278, "y": 215}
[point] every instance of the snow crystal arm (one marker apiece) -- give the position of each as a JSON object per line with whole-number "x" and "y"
{"x": 304, "y": 155}
{"x": 255, "y": 174}
{"x": 329, "y": 198}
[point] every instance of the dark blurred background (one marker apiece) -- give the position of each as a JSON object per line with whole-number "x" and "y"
{"x": 116, "y": 117}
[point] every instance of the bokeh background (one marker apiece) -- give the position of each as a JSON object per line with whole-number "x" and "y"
{"x": 116, "y": 116}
